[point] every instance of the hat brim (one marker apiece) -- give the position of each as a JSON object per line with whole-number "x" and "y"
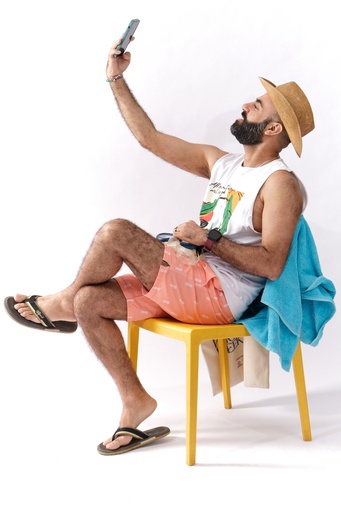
{"x": 286, "y": 113}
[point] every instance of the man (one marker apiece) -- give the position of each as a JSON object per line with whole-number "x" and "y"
{"x": 247, "y": 221}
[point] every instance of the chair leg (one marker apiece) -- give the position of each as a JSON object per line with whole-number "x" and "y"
{"x": 301, "y": 394}
{"x": 224, "y": 372}
{"x": 192, "y": 373}
{"x": 133, "y": 343}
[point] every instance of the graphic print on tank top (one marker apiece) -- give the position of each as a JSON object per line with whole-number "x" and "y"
{"x": 218, "y": 205}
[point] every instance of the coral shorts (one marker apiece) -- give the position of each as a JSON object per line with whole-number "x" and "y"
{"x": 190, "y": 293}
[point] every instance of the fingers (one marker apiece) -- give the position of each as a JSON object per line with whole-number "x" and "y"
{"x": 176, "y": 231}
{"x": 189, "y": 231}
{"x": 113, "y": 49}
{"x": 117, "y": 63}
{"x": 126, "y": 56}
{"x": 119, "y": 55}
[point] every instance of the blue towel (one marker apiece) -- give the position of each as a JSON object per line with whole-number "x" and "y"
{"x": 296, "y": 306}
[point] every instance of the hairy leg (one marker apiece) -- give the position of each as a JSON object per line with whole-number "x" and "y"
{"x": 95, "y": 300}
{"x": 116, "y": 242}
{"x": 95, "y": 306}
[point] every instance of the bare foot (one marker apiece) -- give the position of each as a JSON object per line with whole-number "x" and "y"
{"x": 55, "y": 307}
{"x": 132, "y": 418}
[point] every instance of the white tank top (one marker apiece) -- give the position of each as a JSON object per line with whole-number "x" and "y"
{"x": 228, "y": 206}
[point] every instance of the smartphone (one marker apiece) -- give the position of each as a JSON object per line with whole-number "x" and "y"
{"x": 126, "y": 38}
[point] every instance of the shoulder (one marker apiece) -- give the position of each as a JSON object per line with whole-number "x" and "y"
{"x": 283, "y": 186}
{"x": 224, "y": 161}
{"x": 214, "y": 155}
{"x": 280, "y": 179}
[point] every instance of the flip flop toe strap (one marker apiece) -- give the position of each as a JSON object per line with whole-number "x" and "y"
{"x": 133, "y": 432}
{"x": 43, "y": 319}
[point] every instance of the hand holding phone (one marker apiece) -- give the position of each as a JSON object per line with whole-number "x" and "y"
{"x": 127, "y": 36}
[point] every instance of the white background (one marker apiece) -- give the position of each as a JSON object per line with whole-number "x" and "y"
{"x": 68, "y": 164}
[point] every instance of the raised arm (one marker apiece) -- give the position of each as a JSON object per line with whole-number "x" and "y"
{"x": 195, "y": 158}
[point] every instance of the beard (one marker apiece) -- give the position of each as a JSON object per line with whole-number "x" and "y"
{"x": 249, "y": 134}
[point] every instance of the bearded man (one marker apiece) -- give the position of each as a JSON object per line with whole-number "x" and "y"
{"x": 247, "y": 221}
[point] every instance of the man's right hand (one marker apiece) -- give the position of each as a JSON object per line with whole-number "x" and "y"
{"x": 117, "y": 65}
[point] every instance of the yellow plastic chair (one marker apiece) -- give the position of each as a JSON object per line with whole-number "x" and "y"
{"x": 193, "y": 335}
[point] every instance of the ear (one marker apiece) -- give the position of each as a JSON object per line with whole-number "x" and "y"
{"x": 273, "y": 128}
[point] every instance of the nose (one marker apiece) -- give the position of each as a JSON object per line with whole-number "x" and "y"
{"x": 246, "y": 107}
{"x": 245, "y": 111}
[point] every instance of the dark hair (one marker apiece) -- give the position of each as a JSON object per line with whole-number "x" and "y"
{"x": 284, "y": 137}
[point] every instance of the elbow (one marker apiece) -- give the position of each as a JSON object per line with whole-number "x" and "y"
{"x": 147, "y": 144}
{"x": 143, "y": 141}
{"x": 148, "y": 139}
{"x": 273, "y": 276}
{"x": 274, "y": 263}
{"x": 274, "y": 272}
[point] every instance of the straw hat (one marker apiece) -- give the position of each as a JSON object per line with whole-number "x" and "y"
{"x": 294, "y": 110}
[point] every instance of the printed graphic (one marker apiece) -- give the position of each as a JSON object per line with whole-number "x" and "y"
{"x": 218, "y": 206}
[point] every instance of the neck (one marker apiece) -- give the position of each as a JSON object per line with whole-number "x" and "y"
{"x": 259, "y": 159}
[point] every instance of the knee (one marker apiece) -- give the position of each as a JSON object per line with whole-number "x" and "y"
{"x": 85, "y": 304}
{"x": 115, "y": 229}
